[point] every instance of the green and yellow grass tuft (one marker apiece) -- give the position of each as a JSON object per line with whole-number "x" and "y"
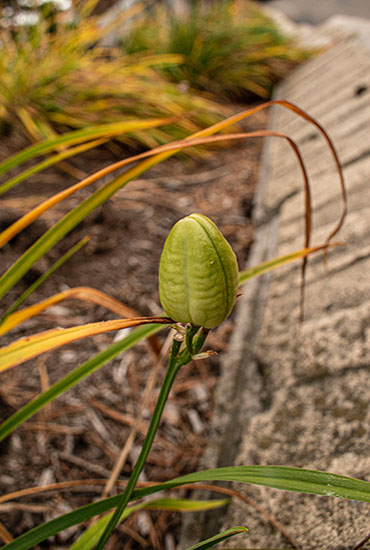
{"x": 59, "y": 77}
{"x": 230, "y": 48}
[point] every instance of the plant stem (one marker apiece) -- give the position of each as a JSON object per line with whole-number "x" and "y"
{"x": 176, "y": 361}
{"x": 190, "y": 333}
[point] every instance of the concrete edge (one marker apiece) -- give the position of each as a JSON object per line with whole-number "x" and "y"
{"x": 225, "y": 435}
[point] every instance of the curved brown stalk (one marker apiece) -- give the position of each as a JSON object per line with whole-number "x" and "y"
{"x": 5, "y": 535}
{"x": 334, "y": 153}
{"x": 362, "y": 542}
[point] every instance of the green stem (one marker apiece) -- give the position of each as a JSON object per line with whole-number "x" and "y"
{"x": 190, "y": 333}
{"x": 177, "y": 360}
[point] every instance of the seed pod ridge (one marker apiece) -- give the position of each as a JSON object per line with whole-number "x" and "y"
{"x": 198, "y": 273}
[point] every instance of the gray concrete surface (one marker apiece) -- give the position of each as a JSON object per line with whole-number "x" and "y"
{"x": 300, "y": 397}
{"x": 317, "y": 11}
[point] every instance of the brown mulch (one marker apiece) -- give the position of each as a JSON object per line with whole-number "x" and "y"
{"x": 80, "y": 435}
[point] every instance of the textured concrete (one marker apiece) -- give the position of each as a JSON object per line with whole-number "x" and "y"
{"x": 316, "y": 11}
{"x": 300, "y": 396}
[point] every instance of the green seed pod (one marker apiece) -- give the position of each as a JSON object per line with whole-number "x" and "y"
{"x": 198, "y": 273}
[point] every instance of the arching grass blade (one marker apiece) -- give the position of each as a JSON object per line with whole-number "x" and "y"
{"x": 278, "y": 477}
{"x": 211, "y": 542}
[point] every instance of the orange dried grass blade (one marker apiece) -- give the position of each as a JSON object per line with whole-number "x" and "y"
{"x": 343, "y": 214}
{"x": 80, "y": 293}
{"x": 5, "y": 535}
{"x": 300, "y": 112}
{"x": 84, "y": 293}
{"x": 26, "y": 348}
{"x": 77, "y": 483}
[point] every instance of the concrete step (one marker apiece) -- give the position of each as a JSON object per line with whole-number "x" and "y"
{"x": 300, "y": 395}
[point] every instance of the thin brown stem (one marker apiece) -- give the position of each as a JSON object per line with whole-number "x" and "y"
{"x": 362, "y": 542}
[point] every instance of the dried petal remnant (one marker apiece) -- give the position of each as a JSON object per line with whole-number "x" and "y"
{"x": 198, "y": 273}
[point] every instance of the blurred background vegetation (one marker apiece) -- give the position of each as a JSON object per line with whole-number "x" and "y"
{"x": 66, "y": 65}
{"x": 229, "y": 48}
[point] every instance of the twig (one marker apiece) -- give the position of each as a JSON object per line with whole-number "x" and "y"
{"x": 133, "y": 534}
{"x": 56, "y": 428}
{"x": 33, "y": 508}
{"x": 75, "y": 484}
{"x": 116, "y": 415}
{"x": 44, "y": 386}
{"x": 362, "y": 542}
{"x": 44, "y": 381}
{"x": 86, "y": 464}
{"x": 108, "y": 450}
{"x": 4, "y": 534}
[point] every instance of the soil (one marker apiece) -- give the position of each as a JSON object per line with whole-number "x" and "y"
{"x": 80, "y": 434}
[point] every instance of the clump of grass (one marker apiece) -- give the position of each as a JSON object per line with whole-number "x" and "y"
{"x": 55, "y": 76}
{"x": 230, "y": 48}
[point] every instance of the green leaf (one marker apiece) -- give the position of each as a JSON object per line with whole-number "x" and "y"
{"x": 211, "y": 542}
{"x": 76, "y": 376}
{"x": 77, "y": 136}
{"x": 185, "y": 504}
{"x": 264, "y": 267}
{"x": 278, "y": 477}
{"x": 71, "y": 152}
{"x": 91, "y": 536}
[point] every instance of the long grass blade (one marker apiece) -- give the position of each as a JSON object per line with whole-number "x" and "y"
{"x": 55, "y": 159}
{"x": 279, "y": 477}
{"x": 31, "y": 346}
{"x": 78, "y": 136}
{"x": 269, "y": 265}
{"x": 74, "y": 377}
{"x": 84, "y": 293}
{"x": 211, "y": 542}
{"x": 220, "y": 126}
